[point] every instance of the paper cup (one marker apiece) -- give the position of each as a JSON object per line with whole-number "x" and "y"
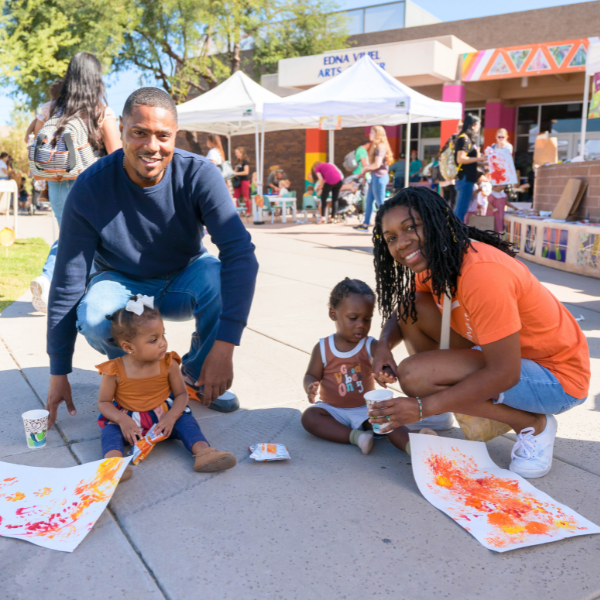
{"x": 378, "y": 396}
{"x": 36, "y": 424}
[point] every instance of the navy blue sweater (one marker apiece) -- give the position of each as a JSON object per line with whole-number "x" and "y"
{"x": 144, "y": 233}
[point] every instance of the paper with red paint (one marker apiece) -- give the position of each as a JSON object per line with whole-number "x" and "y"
{"x": 498, "y": 508}
{"x": 502, "y": 166}
{"x": 56, "y": 508}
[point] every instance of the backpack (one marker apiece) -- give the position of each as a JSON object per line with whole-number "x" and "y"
{"x": 71, "y": 155}
{"x": 350, "y": 161}
{"x": 448, "y": 166}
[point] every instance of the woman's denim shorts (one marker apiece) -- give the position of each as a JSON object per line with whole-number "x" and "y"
{"x": 538, "y": 391}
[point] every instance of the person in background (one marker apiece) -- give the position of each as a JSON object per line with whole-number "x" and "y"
{"x": 254, "y": 184}
{"x": 215, "y": 149}
{"x": 361, "y": 155}
{"x": 4, "y": 165}
{"x": 448, "y": 187}
{"x": 277, "y": 179}
{"x": 329, "y": 179}
{"x": 242, "y": 169}
{"x": 466, "y": 154}
{"x": 380, "y": 157}
{"x": 481, "y": 193}
{"x": 82, "y": 95}
{"x": 497, "y": 202}
{"x": 398, "y": 169}
{"x": 53, "y": 91}
{"x": 502, "y": 142}
{"x": 415, "y": 167}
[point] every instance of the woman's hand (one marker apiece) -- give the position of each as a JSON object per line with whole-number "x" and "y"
{"x": 311, "y": 391}
{"x": 166, "y": 424}
{"x": 401, "y": 411}
{"x": 130, "y": 429}
{"x": 384, "y": 365}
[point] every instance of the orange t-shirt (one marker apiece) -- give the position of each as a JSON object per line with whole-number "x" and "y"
{"x": 140, "y": 395}
{"x": 497, "y": 296}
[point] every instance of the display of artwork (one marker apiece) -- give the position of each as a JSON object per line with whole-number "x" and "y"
{"x": 555, "y": 243}
{"x": 589, "y": 247}
{"x": 566, "y": 56}
{"x": 499, "y": 67}
{"x": 56, "y": 508}
{"x": 559, "y": 53}
{"x": 518, "y": 57}
{"x": 507, "y": 225}
{"x": 539, "y": 62}
{"x": 500, "y": 509}
{"x": 502, "y": 166}
{"x": 530, "y": 234}
{"x": 594, "y": 110}
{"x": 516, "y": 236}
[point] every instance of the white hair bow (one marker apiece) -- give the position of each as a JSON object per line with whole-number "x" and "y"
{"x": 137, "y": 306}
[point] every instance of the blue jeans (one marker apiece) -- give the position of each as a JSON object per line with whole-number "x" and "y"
{"x": 57, "y": 194}
{"x": 464, "y": 194}
{"x": 376, "y": 192}
{"x": 193, "y": 292}
{"x": 538, "y": 391}
{"x": 186, "y": 429}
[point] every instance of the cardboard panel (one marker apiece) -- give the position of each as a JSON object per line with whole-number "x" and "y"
{"x": 569, "y": 199}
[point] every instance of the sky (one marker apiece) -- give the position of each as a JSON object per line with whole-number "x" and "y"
{"x": 119, "y": 86}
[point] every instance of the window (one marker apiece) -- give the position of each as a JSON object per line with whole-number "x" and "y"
{"x": 376, "y": 18}
{"x": 356, "y": 21}
{"x": 384, "y": 16}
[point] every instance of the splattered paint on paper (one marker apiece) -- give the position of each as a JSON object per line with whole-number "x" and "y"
{"x": 502, "y": 166}
{"x": 56, "y": 508}
{"x": 500, "y": 509}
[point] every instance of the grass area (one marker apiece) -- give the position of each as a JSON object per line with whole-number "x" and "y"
{"x": 22, "y": 263}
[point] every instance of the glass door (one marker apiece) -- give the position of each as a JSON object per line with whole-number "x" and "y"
{"x": 428, "y": 149}
{"x": 592, "y": 145}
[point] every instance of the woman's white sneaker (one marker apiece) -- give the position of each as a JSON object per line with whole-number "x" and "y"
{"x": 532, "y": 454}
{"x": 40, "y": 289}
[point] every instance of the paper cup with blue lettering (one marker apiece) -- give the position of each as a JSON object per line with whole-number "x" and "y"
{"x": 377, "y": 396}
{"x": 36, "y": 425}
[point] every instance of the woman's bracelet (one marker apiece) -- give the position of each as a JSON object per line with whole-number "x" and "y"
{"x": 420, "y": 408}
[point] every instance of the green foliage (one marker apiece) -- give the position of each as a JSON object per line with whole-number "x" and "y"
{"x": 300, "y": 31}
{"x": 39, "y": 37}
{"x": 14, "y": 142}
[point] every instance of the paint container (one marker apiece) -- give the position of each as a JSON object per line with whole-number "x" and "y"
{"x": 371, "y": 398}
{"x": 36, "y": 424}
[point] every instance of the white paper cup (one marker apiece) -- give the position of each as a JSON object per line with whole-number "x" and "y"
{"x": 36, "y": 424}
{"x": 378, "y": 396}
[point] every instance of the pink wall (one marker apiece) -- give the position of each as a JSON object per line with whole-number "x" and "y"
{"x": 451, "y": 93}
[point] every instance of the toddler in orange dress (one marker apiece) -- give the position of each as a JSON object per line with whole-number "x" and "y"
{"x": 135, "y": 392}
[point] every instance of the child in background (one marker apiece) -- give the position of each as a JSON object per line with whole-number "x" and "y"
{"x": 481, "y": 192}
{"x": 136, "y": 388}
{"x": 497, "y": 201}
{"x": 340, "y": 371}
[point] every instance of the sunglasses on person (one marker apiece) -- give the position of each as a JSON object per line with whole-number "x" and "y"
{"x": 500, "y": 137}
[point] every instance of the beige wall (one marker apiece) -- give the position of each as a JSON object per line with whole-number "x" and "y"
{"x": 514, "y": 29}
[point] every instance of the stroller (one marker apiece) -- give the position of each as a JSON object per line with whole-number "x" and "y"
{"x": 350, "y": 199}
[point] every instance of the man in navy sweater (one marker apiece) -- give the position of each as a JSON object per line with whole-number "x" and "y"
{"x": 138, "y": 217}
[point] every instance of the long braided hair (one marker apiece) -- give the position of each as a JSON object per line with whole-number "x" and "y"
{"x": 445, "y": 241}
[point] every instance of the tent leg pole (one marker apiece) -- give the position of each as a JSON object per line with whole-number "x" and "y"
{"x": 262, "y": 157}
{"x": 407, "y": 152}
{"x": 229, "y": 148}
{"x": 586, "y": 95}
{"x": 331, "y": 147}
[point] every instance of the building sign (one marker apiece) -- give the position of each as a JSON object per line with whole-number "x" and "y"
{"x": 334, "y": 64}
{"x": 524, "y": 61}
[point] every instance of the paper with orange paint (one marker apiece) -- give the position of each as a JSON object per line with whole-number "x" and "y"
{"x": 502, "y": 166}
{"x": 498, "y": 508}
{"x": 56, "y": 508}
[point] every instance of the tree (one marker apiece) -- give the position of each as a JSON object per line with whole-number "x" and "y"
{"x": 39, "y": 37}
{"x": 301, "y": 31}
{"x": 193, "y": 45}
{"x": 13, "y": 142}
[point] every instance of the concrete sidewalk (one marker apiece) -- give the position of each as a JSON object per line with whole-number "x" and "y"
{"x": 330, "y": 523}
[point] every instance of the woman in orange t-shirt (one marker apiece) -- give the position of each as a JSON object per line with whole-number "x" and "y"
{"x": 516, "y": 355}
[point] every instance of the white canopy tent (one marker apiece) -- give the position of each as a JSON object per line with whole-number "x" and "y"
{"x": 592, "y": 66}
{"x": 234, "y": 108}
{"x": 363, "y": 95}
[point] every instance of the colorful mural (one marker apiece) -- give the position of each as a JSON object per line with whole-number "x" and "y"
{"x": 522, "y": 61}
{"x": 555, "y": 243}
